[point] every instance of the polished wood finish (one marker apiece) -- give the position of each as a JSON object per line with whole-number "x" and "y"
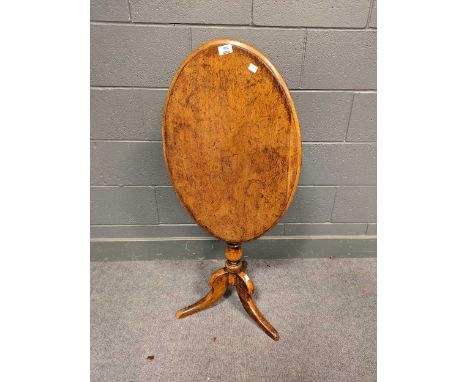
{"x": 245, "y": 290}
{"x": 219, "y": 284}
{"x": 231, "y": 141}
{"x": 232, "y": 274}
{"x": 232, "y": 147}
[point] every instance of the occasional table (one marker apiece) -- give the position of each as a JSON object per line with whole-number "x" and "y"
{"x": 232, "y": 147}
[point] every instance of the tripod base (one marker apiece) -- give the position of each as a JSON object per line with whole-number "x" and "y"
{"x": 232, "y": 274}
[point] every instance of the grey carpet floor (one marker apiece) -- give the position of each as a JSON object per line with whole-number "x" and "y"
{"x": 323, "y": 309}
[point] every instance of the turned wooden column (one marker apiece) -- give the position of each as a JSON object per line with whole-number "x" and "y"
{"x": 234, "y": 263}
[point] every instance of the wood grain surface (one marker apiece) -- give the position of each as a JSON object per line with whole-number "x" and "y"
{"x": 232, "y": 141}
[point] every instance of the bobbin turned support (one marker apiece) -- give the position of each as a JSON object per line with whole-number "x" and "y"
{"x": 234, "y": 265}
{"x": 233, "y": 274}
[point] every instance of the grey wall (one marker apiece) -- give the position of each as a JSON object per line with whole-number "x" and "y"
{"x": 327, "y": 54}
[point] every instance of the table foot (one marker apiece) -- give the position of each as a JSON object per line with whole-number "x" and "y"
{"x": 219, "y": 284}
{"x": 245, "y": 289}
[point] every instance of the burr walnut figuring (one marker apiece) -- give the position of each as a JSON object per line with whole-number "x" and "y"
{"x": 232, "y": 147}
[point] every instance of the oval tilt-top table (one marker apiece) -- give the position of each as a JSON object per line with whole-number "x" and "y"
{"x": 232, "y": 147}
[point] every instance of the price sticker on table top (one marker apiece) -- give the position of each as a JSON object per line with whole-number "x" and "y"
{"x": 253, "y": 68}
{"x": 224, "y": 49}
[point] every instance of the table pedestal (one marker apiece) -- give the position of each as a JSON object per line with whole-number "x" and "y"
{"x": 233, "y": 274}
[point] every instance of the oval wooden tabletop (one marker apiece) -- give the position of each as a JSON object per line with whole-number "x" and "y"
{"x": 231, "y": 140}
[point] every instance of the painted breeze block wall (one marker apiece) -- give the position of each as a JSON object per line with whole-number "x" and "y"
{"x": 327, "y": 55}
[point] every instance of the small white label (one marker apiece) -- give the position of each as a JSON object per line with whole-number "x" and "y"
{"x": 224, "y": 49}
{"x": 253, "y": 68}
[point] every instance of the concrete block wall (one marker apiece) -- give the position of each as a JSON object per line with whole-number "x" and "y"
{"x": 325, "y": 51}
